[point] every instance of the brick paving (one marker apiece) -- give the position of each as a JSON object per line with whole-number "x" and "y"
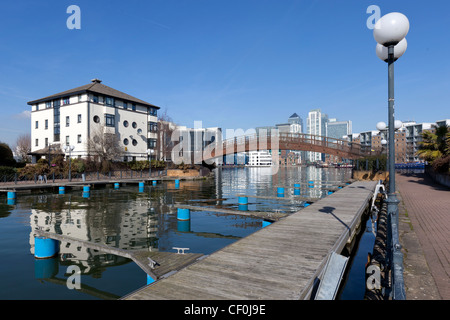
{"x": 427, "y": 205}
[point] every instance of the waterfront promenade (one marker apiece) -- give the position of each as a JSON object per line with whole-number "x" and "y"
{"x": 425, "y": 236}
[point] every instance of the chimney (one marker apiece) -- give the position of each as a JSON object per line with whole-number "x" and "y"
{"x": 96, "y": 80}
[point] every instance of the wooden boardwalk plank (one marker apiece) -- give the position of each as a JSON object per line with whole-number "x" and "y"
{"x": 276, "y": 262}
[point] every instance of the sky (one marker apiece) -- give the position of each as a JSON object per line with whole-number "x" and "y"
{"x": 234, "y": 64}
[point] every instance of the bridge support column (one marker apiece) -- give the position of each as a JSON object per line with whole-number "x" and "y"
{"x": 45, "y": 248}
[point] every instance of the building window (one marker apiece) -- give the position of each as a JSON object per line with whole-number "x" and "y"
{"x": 96, "y": 119}
{"x": 80, "y": 97}
{"x": 79, "y": 118}
{"x": 48, "y": 104}
{"x": 153, "y": 111}
{"x": 37, "y": 107}
{"x": 95, "y": 98}
{"x": 67, "y": 140}
{"x": 135, "y": 142}
{"x": 109, "y": 101}
{"x": 36, "y": 142}
{"x": 125, "y": 141}
{"x": 109, "y": 120}
{"x": 133, "y": 107}
{"x": 46, "y": 124}
{"x": 79, "y": 138}
{"x": 151, "y": 143}
{"x": 152, "y": 127}
{"x": 46, "y": 142}
{"x": 125, "y": 123}
{"x": 67, "y": 121}
{"x": 37, "y": 125}
{"x": 134, "y": 125}
{"x": 125, "y": 105}
{"x": 66, "y": 100}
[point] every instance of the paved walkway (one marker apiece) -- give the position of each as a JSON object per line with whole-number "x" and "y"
{"x": 425, "y": 236}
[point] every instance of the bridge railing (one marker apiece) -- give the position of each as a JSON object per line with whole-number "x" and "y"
{"x": 264, "y": 142}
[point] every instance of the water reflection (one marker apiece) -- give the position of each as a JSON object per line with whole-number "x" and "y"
{"x": 132, "y": 218}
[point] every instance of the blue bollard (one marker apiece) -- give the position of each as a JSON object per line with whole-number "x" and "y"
{"x": 150, "y": 280}
{"x": 184, "y": 225}
{"x": 154, "y": 182}
{"x": 297, "y": 189}
{"x": 45, "y": 268}
{"x": 45, "y": 248}
{"x": 311, "y": 184}
{"x": 86, "y": 189}
{"x": 243, "y": 207}
{"x": 183, "y": 214}
{"x": 243, "y": 200}
{"x": 116, "y": 185}
{"x": 141, "y": 184}
{"x": 11, "y": 195}
{"x": 11, "y": 202}
{"x": 306, "y": 205}
{"x": 330, "y": 192}
{"x": 62, "y": 190}
{"x": 266, "y": 223}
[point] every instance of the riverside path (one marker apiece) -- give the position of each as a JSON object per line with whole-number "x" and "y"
{"x": 427, "y": 205}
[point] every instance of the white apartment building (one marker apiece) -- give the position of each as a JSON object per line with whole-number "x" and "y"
{"x": 316, "y": 125}
{"x": 74, "y": 116}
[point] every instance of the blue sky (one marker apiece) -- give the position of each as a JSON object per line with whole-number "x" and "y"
{"x": 236, "y": 64}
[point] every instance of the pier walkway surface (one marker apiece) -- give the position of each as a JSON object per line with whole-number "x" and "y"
{"x": 279, "y": 262}
{"x": 424, "y": 213}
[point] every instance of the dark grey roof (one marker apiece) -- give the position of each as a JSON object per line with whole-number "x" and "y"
{"x": 294, "y": 116}
{"x": 95, "y": 87}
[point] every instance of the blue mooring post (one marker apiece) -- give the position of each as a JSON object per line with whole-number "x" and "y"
{"x": 183, "y": 214}
{"x": 116, "y": 185}
{"x": 266, "y": 223}
{"x": 62, "y": 190}
{"x": 297, "y": 189}
{"x": 154, "y": 182}
{"x": 11, "y": 198}
{"x": 330, "y": 192}
{"x": 306, "y": 205}
{"x": 150, "y": 280}
{"x": 280, "y": 192}
{"x": 311, "y": 184}
{"x": 184, "y": 225}
{"x": 45, "y": 248}
{"x": 177, "y": 184}
{"x": 141, "y": 186}
{"x": 86, "y": 189}
{"x": 243, "y": 204}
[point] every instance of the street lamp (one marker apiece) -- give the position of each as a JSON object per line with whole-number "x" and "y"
{"x": 69, "y": 149}
{"x": 390, "y": 32}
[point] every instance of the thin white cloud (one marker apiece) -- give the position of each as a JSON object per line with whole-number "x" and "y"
{"x": 26, "y": 114}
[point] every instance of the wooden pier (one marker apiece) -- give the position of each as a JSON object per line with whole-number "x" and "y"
{"x": 154, "y": 263}
{"x": 282, "y": 261}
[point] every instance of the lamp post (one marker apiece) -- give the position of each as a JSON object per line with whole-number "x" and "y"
{"x": 69, "y": 149}
{"x": 389, "y": 32}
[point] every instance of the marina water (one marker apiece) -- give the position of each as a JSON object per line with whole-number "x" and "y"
{"x": 130, "y": 218}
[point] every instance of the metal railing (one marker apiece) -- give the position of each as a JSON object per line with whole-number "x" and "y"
{"x": 16, "y": 179}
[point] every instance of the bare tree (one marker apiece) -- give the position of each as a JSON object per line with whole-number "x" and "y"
{"x": 164, "y": 143}
{"x": 104, "y": 145}
{"x": 23, "y": 147}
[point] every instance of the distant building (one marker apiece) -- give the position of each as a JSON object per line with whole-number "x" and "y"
{"x": 73, "y": 116}
{"x": 316, "y": 125}
{"x": 337, "y": 130}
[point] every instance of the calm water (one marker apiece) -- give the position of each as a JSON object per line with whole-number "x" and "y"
{"x": 133, "y": 220}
